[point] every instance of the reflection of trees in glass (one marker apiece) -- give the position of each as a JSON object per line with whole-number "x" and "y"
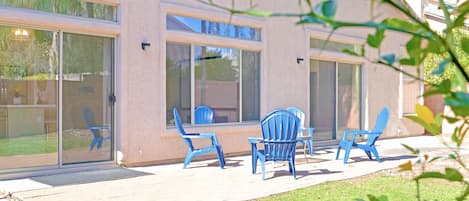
{"x": 26, "y": 57}
{"x": 69, "y": 7}
{"x": 217, "y": 67}
{"x": 83, "y": 53}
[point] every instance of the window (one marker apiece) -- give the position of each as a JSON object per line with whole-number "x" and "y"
{"x": 81, "y": 8}
{"x": 187, "y": 24}
{"x": 333, "y": 46}
{"x": 225, "y": 79}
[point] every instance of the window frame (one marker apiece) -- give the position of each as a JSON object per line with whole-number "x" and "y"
{"x": 201, "y": 39}
{"x": 192, "y": 48}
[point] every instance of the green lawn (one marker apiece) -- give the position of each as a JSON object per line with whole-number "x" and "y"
{"x": 36, "y": 144}
{"x": 395, "y": 188}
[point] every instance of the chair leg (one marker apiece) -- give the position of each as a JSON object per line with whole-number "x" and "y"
{"x": 338, "y": 153}
{"x": 254, "y": 162}
{"x": 375, "y": 152}
{"x": 368, "y": 154}
{"x": 263, "y": 169}
{"x": 291, "y": 166}
{"x": 304, "y": 152}
{"x": 310, "y": 147}
{"x": 93, "y": 143}
{"x": 221, "y": 158}
{"x": 347, "y": 153}
{"x": 188, "y": 159}
{"x": 100, "y": 142}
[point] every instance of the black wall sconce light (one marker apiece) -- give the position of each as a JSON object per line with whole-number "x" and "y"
{"x": 299, "y": 60}
{"x": 145, "y": 44}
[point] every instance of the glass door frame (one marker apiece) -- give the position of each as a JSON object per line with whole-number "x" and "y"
{"x": 37, "y": 170}
{"x": 336, "y": 94}
{"x": 111, "y": 100}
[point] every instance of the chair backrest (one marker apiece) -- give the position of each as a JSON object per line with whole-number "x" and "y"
{"x": 298, "y": 113}
{"x": 380, "y": 125}
{"x": 280, "y": 130}
{"x": 88, "y": 117}
{"x": 203, "y": 115}
{"x": 182, "y": 132}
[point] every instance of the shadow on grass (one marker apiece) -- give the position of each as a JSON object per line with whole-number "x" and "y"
{"x": 88, "y": 176}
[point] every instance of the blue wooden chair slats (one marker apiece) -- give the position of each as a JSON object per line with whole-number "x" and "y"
{"x": 373, "y": 135}
{"x": 192, "y": 152}
{"x": 303, "y": 131}
{"x": 279, "y": 137}
{"x": 96, "y": 130}
{"x": 203, "y": 115}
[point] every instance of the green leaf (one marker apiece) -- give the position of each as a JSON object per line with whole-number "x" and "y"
{"x": 389, "y": 58}
{"x": 374, "y": 198}
{"x": 464, "y": 7}
{"x": 427, "y": 175}
{"x": 405, "y": 166}
{"x": 452, "y": 156}
{"x": 430, "y": 128}
{"x": 434, "y": 159}
{"x": 453, "y": 175}
{"x": 459, "y": 103}
{"x": 451, "y": 120}
{"x": 350, "y": 52}
{"x": 329, "y": 8}
{"x": 376, "y": 39}
{"x": 455, "y": 137}
{"x": 258, "y": 13}
{"x": 412, "y": 150}
{"x": 458, "y": 81}
{"x": 309, "y": 19}
{"x": 465, "y": 45}
{"x": 401, "y": 24}
{"x": 414, "y": 50}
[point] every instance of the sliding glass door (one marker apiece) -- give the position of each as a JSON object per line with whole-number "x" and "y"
{"x": 335, "y": 91}
{"x": 28, "y": 98}
{"x": 56, "y": 98}
{"x": 87, "y": 92}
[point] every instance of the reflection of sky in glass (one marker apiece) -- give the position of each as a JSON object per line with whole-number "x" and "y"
{"x": 209, "y": 27}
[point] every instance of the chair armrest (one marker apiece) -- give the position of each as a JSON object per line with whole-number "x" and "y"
{"x": 199, "y": 135}
{"x": 255, "y": 140}
{"x": 99, "y": 128}
{"x": 354, "y": 133}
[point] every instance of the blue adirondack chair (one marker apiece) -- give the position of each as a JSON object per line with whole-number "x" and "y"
{"x": 192, "y": 152}
{"x": 306, "y": 140}
{"x": 96, "y": 130}
{"x": 373, "y": 135}
{"x": 203, "y": 115}
{"x": 279, "y": 137}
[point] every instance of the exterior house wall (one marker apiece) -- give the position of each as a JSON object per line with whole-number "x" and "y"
{"x": 144, "y": 135}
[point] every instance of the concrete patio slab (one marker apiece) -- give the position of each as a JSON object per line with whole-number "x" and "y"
{"x": 204, "y": 180}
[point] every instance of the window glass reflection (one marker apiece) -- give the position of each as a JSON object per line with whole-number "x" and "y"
{"x": 195, "y": 25}
{"x": 81, "y": 8}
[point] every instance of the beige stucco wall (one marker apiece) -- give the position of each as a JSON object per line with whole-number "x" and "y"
{"x": 141, "y": 133}
{"x": 144, "y": 137}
